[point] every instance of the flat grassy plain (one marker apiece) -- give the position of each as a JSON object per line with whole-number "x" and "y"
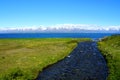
{"x": 23, "y": 59}
{"x": 110, "y": 48}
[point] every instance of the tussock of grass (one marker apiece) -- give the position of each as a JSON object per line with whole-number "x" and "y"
{"x": 110, "y": 48}
{"x": 22, "y": 59}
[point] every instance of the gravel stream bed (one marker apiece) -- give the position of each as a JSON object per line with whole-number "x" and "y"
{"x": 85, "y": 62}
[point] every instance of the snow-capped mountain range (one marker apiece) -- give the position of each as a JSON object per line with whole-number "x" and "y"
{"x": 63, "y": 28}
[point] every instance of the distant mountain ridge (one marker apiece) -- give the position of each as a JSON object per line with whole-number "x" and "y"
{"x": 64, "y": 28}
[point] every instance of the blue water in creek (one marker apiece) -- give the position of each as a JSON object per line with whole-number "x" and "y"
{"x": 55, "y": 35}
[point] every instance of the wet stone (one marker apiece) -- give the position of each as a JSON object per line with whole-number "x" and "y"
{"x": 84, "y": 63}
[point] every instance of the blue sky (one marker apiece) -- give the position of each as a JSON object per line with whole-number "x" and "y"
{"x": 14, "y": 13}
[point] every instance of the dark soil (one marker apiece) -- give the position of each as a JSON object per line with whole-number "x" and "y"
{"x": 85, "y": 62}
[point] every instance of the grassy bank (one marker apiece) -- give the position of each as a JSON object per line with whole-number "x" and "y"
{"x": 22, "y": 59}
{"x": 110, "y": 48}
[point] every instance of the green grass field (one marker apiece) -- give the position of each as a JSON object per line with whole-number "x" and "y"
{"x": 110, "y": 48}
{"x": 23, "y": 59}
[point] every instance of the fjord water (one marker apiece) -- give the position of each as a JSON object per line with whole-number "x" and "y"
{"x": 55, "y": 35}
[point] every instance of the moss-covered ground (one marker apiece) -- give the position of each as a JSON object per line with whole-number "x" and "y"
{"x": 23, "y": 59}
{"x": 110, "y": 48}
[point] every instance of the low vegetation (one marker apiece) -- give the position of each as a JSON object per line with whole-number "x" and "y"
{"x": 110, "y": 48}
{"x": 23, "y": 59}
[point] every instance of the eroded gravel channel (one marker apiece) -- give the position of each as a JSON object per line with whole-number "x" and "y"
{"x": 85, "y": 62}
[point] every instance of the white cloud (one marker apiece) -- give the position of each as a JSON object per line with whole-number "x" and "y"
{"x": 61, "y": 28}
